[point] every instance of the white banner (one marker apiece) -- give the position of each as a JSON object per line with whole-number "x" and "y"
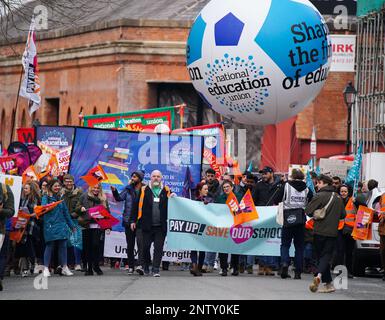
{"x": 115, "y": 246}
{"x": 344, "y": 53}
{"x": 15, "y": 183}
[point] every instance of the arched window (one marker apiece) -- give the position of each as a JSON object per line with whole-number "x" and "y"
{"x": 69, "y": 116}
{"x": 108, "y": 109}
{"x": 95, "y": 111}
{"x": 23, "y": 120}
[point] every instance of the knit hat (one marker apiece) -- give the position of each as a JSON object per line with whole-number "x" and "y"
{"x": 139, "y": 174}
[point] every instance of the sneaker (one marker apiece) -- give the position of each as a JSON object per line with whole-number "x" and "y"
{"x": 46, "y": 272}
{"x": 315, "y": 284}
{"x": 24, "y": 274}
{"x": 327, "y": 288}
{"x": 156, "y": 275}
{"x": 130, "y": 271}
{"x": 139, "y": 270}
{"x": 204, "y": 269}
{"x": 66, "y": 272}
{"x": 216, "y": 265}
{"x": 78, "y": 267}
{"x": 210, "y": 269}
{"x": 58, "y": 270}
{"x": 223, "y": 273}
{"x": 297, "y": 276}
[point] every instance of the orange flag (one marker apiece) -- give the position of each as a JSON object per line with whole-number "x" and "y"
{"x": 95, "y": 176}
{"x": 19, "y": 224}
{"x": 30, "y": 173}
{"x": 363, "y": 224}
{"x": 244, "y": 211}
{"x": 50, "y": 169}
{"x": 40, "y": 210}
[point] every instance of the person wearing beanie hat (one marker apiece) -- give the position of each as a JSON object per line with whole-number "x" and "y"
{"x": 129, "y": 195}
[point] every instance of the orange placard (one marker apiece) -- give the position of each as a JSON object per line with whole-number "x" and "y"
{"x": 41, "y": 210}
{"x": 363, "y": 224}
{"x": 244, "y": 211}
{"x": 29, "y": 173}
{"x": 19, "y": 225}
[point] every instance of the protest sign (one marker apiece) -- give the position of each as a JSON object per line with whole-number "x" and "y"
{"x": 192, "y": 225}
{"x": 335, "y": 167}
{"x": 57, "y": 142}
{"x": 154, "y": 120}
{"x": 115, "y": 246}
{"x": 121, "y": 153}
{"x": 15, "y": 184}
{"x": 18, "y": 226}
{"x": 26, "y": 135}
{"x": 362, "y": 225}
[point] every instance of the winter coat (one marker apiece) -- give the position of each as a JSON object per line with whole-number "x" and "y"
{"x": 8, "y": 209}
{"x": 71, "y": 199}
{"x": 214, "y": 189}
{"x": 56, "y": 221}
{"x": 328, "y": 226}
{"x": 88, "y": 201}
{"x": 128, "y": 195}
{"x": 223, "y": 197}
{"x": 33, "y": 228}
{"x": 145, "y": 222}
{"x": 267, "y": 194}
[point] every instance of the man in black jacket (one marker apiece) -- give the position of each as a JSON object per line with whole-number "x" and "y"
{"x": 129, "y": 195}
{"x": 325, "y": 230}
{"x": 150, "y": 213}
{"x": 266, "y": 193}
{"x": 212, "y": 183}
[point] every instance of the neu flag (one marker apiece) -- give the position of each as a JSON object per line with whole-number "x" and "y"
{"x": 244, "y": 211}
{"x": 95, "y": 176}
{"x": 188, "y": 184}
{"x": 102, "y": 217}
{"x": 40, "y": 210}
{"x": 309, "y": 181}
{"x": 30, "y": 86}
{"x": 355, "y": 171}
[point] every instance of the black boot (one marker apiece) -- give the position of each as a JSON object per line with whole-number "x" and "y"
{"x": 297, "y": 276}
{"x": 195, "y": 270}
{"x": 285, "y": 272}
{"x": 97, "y": 269}
{"x": 1, "y": 285}
{"x": 89, "y": 271}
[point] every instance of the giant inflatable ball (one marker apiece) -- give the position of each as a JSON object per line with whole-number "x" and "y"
{"x": 258, "y": 61}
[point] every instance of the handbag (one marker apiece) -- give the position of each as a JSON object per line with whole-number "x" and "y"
{"x": 293, "y": 217}
{"x": 320, "y": 214}
{"x": 279, "y": 216}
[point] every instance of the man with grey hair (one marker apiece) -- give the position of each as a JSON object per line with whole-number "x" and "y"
{"x": 150, "y": 213}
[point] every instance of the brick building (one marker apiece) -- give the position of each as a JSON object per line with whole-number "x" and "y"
{"x": 110, "y": 63}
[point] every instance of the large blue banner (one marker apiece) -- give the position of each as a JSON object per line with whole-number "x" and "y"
{"x": 192, "y": 225}
{"x": 120, "y": 153}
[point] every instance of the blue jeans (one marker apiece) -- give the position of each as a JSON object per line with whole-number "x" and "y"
{"x": 246, "y": 260}
{"x": 210, "y": 258}
{"x": 78, "y": 255}
{"x": 197, "y": 257}
{"x": 295, "y": 233}
{"x": 62, "y": 252}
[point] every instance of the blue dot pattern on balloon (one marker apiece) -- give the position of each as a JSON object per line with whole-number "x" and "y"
{"x": 195, "y": 41}
{"x": 256, "y": 103}
{"x": 228, "y": 30}
{"x": 278, "y": 50}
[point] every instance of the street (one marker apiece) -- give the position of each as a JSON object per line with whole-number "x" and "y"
{"x": 180, "y": 285}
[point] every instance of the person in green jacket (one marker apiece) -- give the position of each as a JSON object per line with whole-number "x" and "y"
{"x": 227, "y": 188}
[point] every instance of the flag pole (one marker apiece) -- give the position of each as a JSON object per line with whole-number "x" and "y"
{"x": 16, "y": 105}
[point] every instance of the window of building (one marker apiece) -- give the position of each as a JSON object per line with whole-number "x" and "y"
{"x": 69, "y": 117}
{"x": 52, "y": 111}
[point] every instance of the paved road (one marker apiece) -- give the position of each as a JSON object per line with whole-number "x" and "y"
{"x": 180, "y": 285}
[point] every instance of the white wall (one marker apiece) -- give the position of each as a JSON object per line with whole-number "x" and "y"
{"x": 373, "y": 167}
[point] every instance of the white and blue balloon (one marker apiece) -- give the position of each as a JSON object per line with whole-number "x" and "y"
{"x": 258, "y": 61}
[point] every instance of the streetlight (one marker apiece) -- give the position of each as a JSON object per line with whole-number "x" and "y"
{"x": 350, "y": 94}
